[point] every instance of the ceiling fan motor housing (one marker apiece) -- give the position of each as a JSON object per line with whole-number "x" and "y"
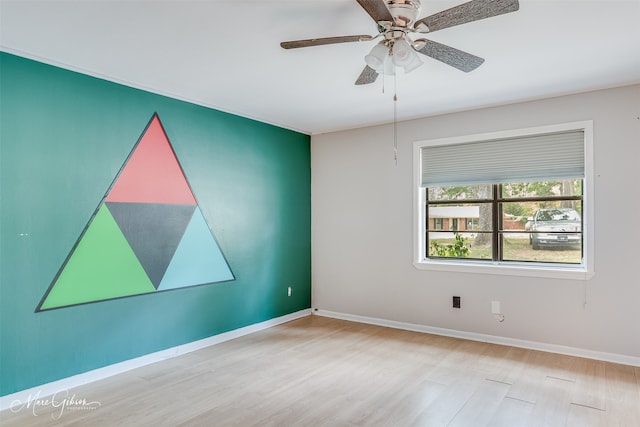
{"x": 404, "y": 12}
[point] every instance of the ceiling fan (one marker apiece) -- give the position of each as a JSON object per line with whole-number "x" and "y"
{"x": 396, "y": 19}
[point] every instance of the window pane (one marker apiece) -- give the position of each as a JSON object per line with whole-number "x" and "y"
{"x": 463, "y": 192}
{"x": 556, "y": 188}
{"x": 518, "y": 248}
{"x": 459, "y": 245}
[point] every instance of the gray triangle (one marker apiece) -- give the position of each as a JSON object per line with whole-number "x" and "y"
{"x": 153, "y": 231}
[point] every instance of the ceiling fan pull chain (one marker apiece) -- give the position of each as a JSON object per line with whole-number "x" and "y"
{"x": 395, "y": 120}
{"x": 383, "y": 80}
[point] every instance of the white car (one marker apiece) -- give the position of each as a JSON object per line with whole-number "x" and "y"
{"x": 555, "y": 227}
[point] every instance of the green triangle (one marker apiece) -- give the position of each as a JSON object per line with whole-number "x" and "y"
{"x": 102, "y": 266}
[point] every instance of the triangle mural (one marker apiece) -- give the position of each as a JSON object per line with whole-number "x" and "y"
{"x": 147, "y": 235}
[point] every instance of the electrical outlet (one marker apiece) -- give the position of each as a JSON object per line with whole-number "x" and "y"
{"x": 456, "y": 302}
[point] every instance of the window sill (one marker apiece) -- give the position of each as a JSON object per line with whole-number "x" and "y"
{"x": 578, "y": 272}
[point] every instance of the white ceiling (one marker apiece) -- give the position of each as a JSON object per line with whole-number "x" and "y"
{"x": 226, "y": 54}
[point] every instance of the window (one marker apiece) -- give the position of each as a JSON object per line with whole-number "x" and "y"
{"x": 515, "y": 202}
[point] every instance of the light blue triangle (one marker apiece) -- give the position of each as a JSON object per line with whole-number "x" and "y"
{"x": 198, "y": 258}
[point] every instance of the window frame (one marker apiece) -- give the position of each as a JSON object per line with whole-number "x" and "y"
{"x": 583, "y": 271}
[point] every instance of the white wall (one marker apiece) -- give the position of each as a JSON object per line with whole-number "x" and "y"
{"x": 362, "y": 213}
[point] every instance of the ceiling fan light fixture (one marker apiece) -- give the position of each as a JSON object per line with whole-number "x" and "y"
{"x": 405, "y": 56}
{"x": 413, "y": 64}
{"x": 376, "y": 58}
{"x": 402, "y": 52}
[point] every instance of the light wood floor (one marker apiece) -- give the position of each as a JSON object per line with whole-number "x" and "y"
{"x": 318, "y": 371}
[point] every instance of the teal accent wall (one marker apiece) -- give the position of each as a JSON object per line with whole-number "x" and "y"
{"x": 63, "y": 138}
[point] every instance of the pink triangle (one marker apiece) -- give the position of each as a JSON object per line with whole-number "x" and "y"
{"x": 152, "y": 174}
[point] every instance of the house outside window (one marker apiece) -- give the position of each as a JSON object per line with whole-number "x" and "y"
{"x": 517, "y": 202}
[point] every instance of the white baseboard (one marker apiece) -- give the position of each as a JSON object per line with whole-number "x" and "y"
{"x": 54, "y": 387}
{"x": 531, "y": 345}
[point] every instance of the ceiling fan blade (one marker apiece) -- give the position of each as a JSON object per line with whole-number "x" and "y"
{"x": 466, "y": 12}
{"x": 377, "y": 10}
{"x": 368, "y": 75}
{"x": 325, "y": 40}
{"x": 463, "y": 61}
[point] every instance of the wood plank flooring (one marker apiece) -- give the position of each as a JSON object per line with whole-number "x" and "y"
{"x": 319, "y": 371}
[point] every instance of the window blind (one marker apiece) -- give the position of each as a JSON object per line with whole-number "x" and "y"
{"x": 518, "y": 159}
